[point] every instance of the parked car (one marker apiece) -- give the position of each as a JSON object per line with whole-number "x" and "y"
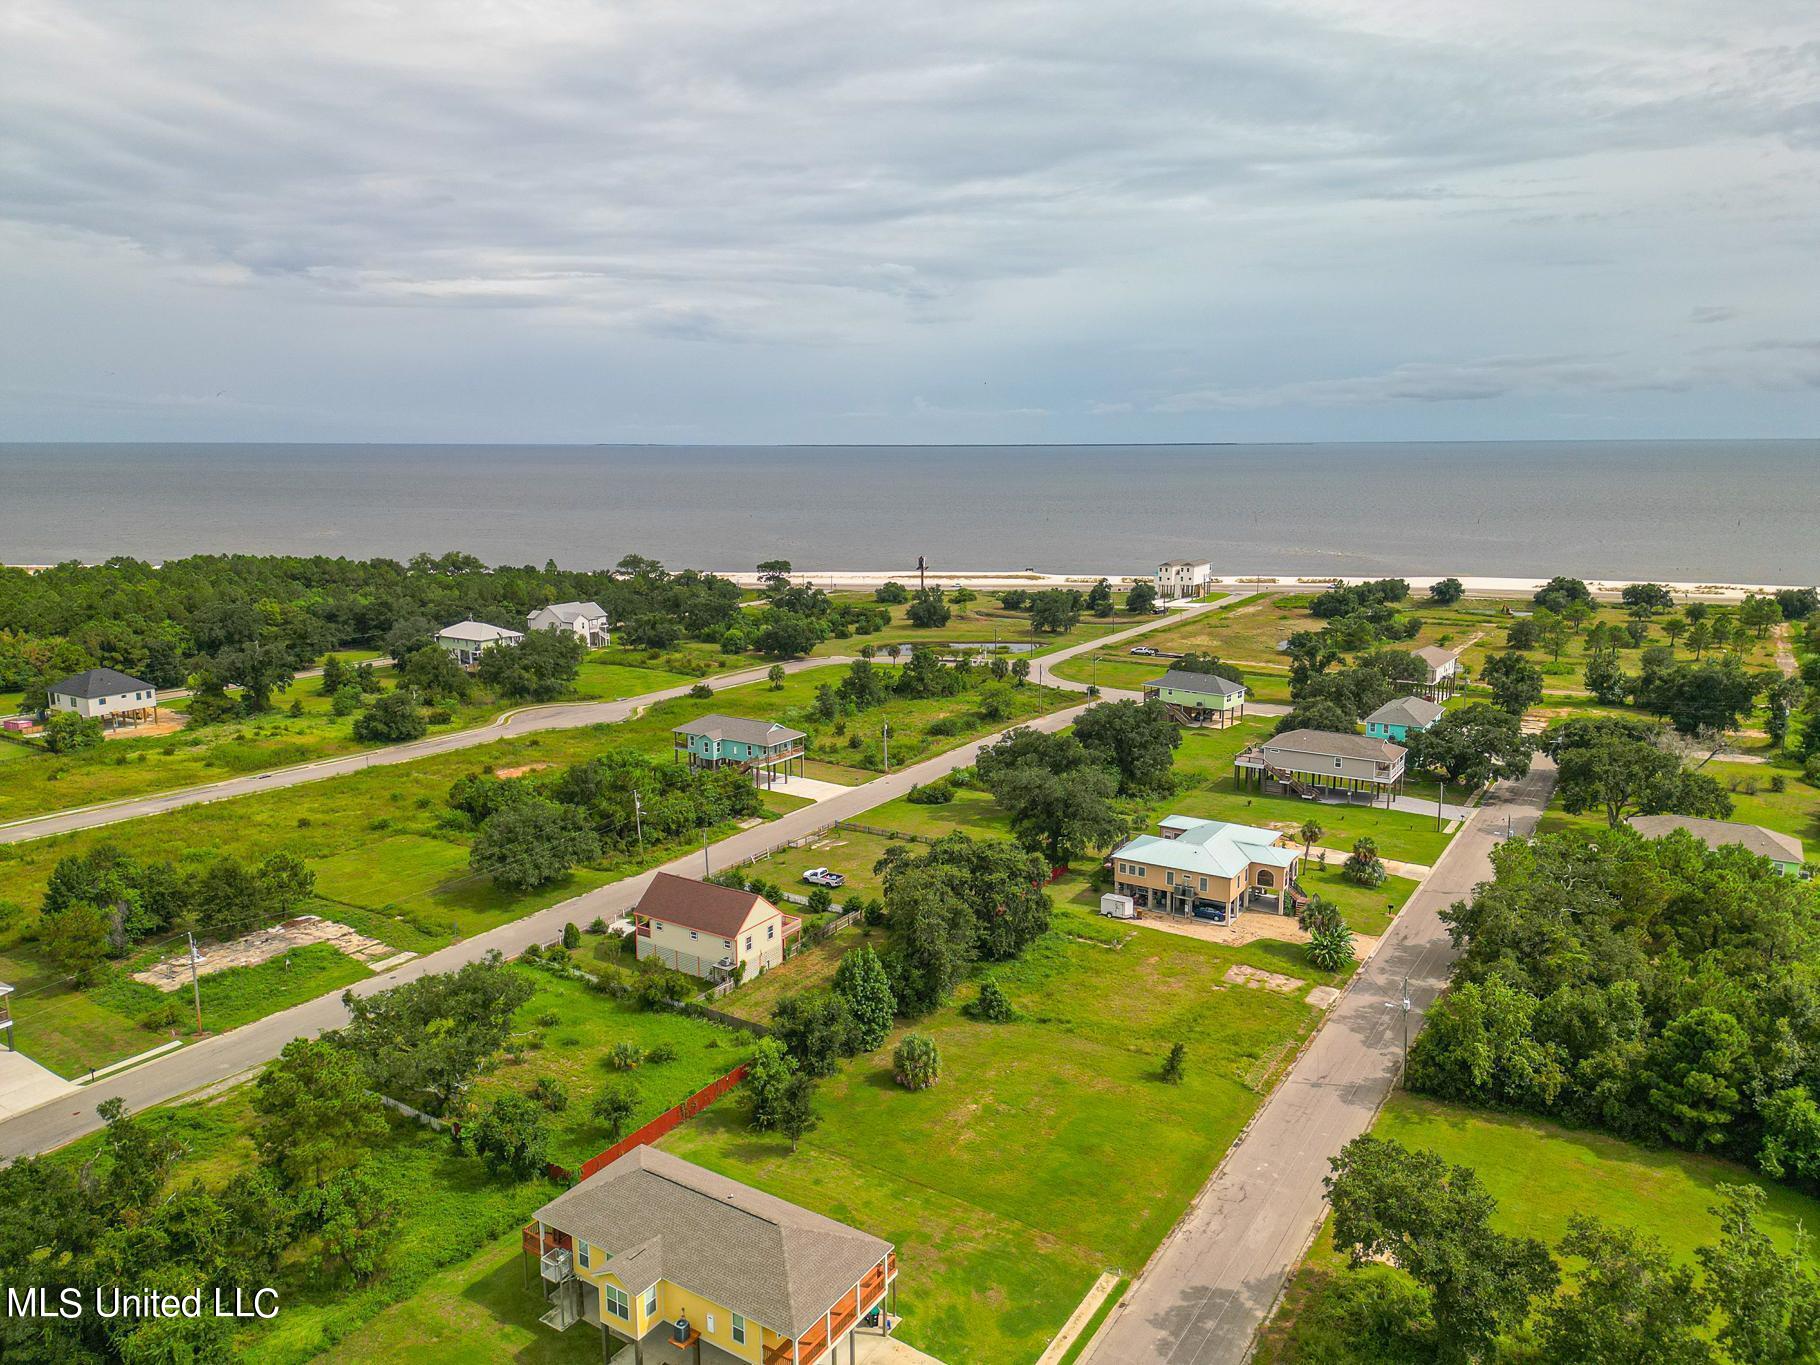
{"x": 821, "y": 876}
{"x": 1216, "y": 913}
{"x": 1143, "y": 649}
{"x": 1158, "y": 609}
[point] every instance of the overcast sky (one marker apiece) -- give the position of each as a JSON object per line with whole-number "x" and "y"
{"x": 786, "y": 220}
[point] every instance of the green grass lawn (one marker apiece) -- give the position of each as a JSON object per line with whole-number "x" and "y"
{"x": 453, "y": 1259}
{"x": 983, "y": 620}
{"x": 995, "y": 1184}
{"x": 1541, "y": 1175}
{"x": 376, "y": 842}
{"x": 1367, "y": 910}
{"x": 126, "y": 767}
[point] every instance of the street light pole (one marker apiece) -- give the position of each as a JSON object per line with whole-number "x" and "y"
{"x": 196, "y": 981}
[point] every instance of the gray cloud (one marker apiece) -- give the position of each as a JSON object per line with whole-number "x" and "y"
{"x": 936, "y": 185}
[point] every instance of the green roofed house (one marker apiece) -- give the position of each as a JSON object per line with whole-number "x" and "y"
{"x": 1199, "y": 698}
{"x": 1784, "y": 850}
{"x": 759, "y": 747}
{"x": 1397, "y": 717}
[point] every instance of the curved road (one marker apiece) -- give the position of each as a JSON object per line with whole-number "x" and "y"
{"x": 229, "y": 1055}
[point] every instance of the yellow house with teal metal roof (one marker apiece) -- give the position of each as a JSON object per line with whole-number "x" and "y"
{"x": 683, "y": 1264}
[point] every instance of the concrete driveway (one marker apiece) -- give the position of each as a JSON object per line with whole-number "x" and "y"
{"x": 1209, "y": 1287}
{"x": 26, "y": 1085}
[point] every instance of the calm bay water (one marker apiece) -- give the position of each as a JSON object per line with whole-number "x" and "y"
{"x": 1684, "y": 510}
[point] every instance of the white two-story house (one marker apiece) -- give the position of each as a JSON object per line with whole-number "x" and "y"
{"x": 586, "y": 620}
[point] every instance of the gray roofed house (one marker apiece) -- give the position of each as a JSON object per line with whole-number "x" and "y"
{"x": 1784, "y": 850}
{"x": 1325, "y": 765}
{"x": 585, "y": 619}
{"x": 466, "y": 640}
{"x": 1183, "y": 680}
{"x": 102, "y": 693}
{"x": 760, "y": 746}
{"x": 651, "y": 1238}
{"x": 1198, "y": 698}
{"x": 1398, "y": 716}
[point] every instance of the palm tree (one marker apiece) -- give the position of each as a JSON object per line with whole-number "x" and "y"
{"x": 1308, "y": 833}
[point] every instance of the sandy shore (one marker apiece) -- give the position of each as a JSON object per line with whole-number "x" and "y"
{"x": 1476, "y": 585}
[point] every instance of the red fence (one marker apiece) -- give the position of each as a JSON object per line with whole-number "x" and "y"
{"x": 660, "y": 1125}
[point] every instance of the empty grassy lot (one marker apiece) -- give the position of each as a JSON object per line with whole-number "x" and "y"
{"x": 452, "y": 1210}
{"x": 1541, "y": 1175}
{"x": 126, "y": 767}
{"x": 1050, "y": 1150}
{"x": 981, "y": 620}
{"x": 380, "y": 843}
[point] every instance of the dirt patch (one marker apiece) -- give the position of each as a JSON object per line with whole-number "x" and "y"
{"x": 1244, "y": 928}
{"x": 522, "y": 769}
{"x": 261, "y": 946}
{"x": 1255, "y": 977}
{"x": 168, "y": 726}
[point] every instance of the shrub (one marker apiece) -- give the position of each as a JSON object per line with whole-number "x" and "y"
{"x": 701, "y": 691}
{"x": 1330, "y": 947}
{"x": 512, "y": 1136}
{"x": 1811, "y": 770}
{"x": 548, "y": 1019}
{"x": 916, "y": 1061}
{"x": 663, "y": 1052}
{"x": 819, "y": 901}
{"x": 938, "y": 793}
{"x": 571, "y": 936}
{"x": 549, "y": 1092}
{"x": 439, "y": 716}
{"x": 613, "y": 1108}
{"x": 992, "y": 1004}
{"x": 1175, "y": 1065}
{"x": 166, "y": 1014}
{"x": 597, "y": 925}
{"x": 625, "y": 1055}
{"x": 1364, "y": 867}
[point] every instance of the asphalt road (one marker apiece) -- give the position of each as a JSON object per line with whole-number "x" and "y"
{"x": 1207, "y": 1290}
{"x": 228, "y": 1055}
{"x": 523, "y": 721}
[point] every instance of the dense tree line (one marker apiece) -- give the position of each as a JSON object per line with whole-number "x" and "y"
{"x": 247, "y": 618}
{"x": 101, "y": 904}
{"x": 533, "y": 829}
{"x": 1605, "y": 1294}
{"x": 1656, "y": 989}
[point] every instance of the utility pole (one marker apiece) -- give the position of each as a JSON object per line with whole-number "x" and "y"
{"x": 706, "y": 866}
{"x": 638, "y": 820}
{"x": 1440, "y": 801}
{"x": 196, "y": 961}
{"x": 922, "y": 575}
{"x": 1405, "y": 1004}
{"x": 887, "y": 734}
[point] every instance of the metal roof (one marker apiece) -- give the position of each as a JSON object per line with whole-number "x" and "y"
{"x": 1209, "y": 846}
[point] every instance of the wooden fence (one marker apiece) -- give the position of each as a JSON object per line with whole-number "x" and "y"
{"x": 658, "y": 1126}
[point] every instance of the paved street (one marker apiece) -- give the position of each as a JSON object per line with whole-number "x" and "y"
{"x": 227, "y": 1055}
{"x": 523, "y": 721}
{"x": 1206, "y": 1291}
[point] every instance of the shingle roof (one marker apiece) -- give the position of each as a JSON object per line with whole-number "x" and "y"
{"x": 1434, "y": 656}
{"x": 712, "y": 909}
{"x": 659, "y": 1217}
{"x": 1336, "y": 745}
{"x": 1765, "y": 843}
{"x": 477, "y": 630}
{"x": 99, "y": 682}
{"x": 739, "y": 729}
{"x": 1416, "y": 711}
{"x": 1211, "y": 846}
{"x": 1182, "y": 680}
{"x": 573, "y": 611}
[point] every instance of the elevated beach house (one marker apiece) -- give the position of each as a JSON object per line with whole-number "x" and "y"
{"x": 686, "y": 1265}
{"x": 760, "y": 747}
{"x": 466, "y": 640}
{"x": 1320, "y": 765}
{"x": 586, "y": 620}
{"x": 1398, "y": 716}
{"x": 1178, "y": 578}
{"x": 1784, "y": 850}
{"x": 1199, "y": 698}
{"x": 104, "y": 694}
{"x": 1441, "y": 672}
{"x": 710, "y": 931}
{"x": 1207, "y": 868}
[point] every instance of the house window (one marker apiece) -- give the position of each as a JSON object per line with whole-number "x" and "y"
{"x": 1203, "y": 883}
{"x": 770, "y": 931}
{"x": 739, "y": 1330}
{"x": 1169, "y": 878}
{"x": 616, "y": 1302}
{"x": 693, "y": 934}
{"x": 727, "y": 943}
{"x": 651, "y": 1302}
{"x": 748, "y": 943}
{"x": 586, "y": 1254}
